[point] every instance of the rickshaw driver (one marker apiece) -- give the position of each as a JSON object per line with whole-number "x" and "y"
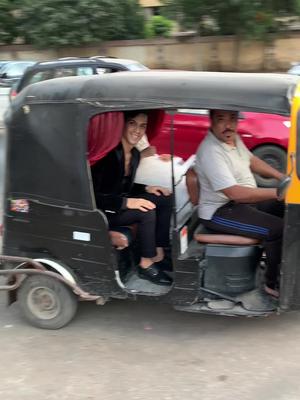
{"x": 230, "y": 201}
{"x": 126, "y": 203}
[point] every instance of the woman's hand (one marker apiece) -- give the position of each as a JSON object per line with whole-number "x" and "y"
{"x": 140, "y": 204}
{"x": 165, "y": 157}
{"x": 158, "y": 190}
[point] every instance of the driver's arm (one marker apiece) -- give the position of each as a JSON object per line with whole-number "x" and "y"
{"x": 261, "y": 168}
{"x": 242, "y": 194}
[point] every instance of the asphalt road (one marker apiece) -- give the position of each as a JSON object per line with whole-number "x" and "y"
{"x": 141, "y": 350}
{"x": 138, "y": 351}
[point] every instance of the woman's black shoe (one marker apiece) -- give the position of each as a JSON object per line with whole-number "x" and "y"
{"x": 165, "y": 265}
{"x": 154, "y": 275}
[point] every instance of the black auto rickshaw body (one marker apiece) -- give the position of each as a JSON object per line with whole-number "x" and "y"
{"x": 56, "y": 244}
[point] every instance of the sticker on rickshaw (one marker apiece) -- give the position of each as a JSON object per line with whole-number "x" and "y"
{"x": 20, "y": 205}
{"x": 85, "y": 236}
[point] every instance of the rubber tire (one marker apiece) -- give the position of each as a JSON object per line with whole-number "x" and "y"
{"x": 268, "y": 153}
{"x": 65, "y": 296}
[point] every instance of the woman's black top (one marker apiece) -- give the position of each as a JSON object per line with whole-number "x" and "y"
{"x": 111, "y": 186}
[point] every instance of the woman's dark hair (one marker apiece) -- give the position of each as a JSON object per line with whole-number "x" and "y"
{"x": 128, "y": 115}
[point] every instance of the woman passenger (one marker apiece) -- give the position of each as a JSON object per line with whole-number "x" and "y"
{"x": 125, "y": 202}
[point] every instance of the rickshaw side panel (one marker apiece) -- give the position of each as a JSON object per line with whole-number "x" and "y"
{"x": 46, "y": 148}
{"x": 76, "y": 238}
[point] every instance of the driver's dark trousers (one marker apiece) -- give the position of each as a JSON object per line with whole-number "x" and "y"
{"x": 261, "y": 221}
{"x": 153, "y": 225}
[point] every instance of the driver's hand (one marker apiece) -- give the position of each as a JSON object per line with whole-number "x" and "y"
{"x": 283, "y": 187}
{"x": 282, "y": 177}
{"x": 158, "y": 190}
{"x": 140, "y": 204}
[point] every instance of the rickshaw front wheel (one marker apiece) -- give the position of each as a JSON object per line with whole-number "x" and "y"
{"x": 46, "y": 302}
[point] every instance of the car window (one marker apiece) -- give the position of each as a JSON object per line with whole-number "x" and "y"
{"x": 58, "y": 73}
{"x": 64, "y": 71}
{"x": 136, "y": 67}
{"x": 83, "y": 71}
{"x": 2, "y": 63}
{"x": 40, "y": 76}
{"x": 103, "y": 70}
{"x": 295, "y": 70}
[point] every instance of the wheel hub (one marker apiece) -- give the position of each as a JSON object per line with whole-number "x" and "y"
{"x": 43, "y": 303}
{"x": 273, "y": 161}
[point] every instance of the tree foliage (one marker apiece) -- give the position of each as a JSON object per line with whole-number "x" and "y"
{"x": 158, "y": 26}
{"x": 248, "y": 18}
{"x": 8, "y": 30}
{"x": 77, "y": 22}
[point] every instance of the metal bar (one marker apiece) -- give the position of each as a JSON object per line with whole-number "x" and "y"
{"x": 22, "y": 260}
{"x": 19, "y": 275}
{"x": 172, "y": 148}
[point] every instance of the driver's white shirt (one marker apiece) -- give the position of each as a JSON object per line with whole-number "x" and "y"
{"x": 220, "y": 166}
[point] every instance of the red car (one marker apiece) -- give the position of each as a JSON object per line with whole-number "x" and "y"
{"x": 266, "y": 135}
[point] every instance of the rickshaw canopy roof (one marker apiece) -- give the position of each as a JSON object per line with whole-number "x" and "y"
{"x": 268, "y": 93}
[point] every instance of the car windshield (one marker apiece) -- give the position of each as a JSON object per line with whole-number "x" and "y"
{"x": 16, "y": 69}
{"x": 295, "y": 70}
{"x": 2, "y": 63}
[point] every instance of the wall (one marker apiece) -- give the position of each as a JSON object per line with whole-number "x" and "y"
{"x": 195, "y": 53}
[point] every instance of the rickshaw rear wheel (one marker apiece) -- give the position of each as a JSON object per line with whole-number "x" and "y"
{"x": 46, "y": 302}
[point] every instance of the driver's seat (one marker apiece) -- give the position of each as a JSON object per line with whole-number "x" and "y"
{"x": 193, "y": 188}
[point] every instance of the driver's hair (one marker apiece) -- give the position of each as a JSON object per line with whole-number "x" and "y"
{"x": 211, "y": 112}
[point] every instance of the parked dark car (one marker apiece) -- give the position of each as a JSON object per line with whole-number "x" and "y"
{"x": 74, "y": 66}
{"x": 12, "y": 71}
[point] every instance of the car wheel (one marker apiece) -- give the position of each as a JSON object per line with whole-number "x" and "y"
{"x": 46, "y": 302}
{"x": 274, "y": 156}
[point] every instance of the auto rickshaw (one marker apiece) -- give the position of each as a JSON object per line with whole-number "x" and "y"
{"x": 57, "y": 248}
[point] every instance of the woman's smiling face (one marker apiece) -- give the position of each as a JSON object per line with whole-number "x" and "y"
{"x": 135, "y": 128}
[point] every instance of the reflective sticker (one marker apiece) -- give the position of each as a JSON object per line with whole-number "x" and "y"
{"x": 183, "y": 239}
{"x": 19, "y": 205}
{"x": 85, "y": 236}
{"x": 26, "y": 109}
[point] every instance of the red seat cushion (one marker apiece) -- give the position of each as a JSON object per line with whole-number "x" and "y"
{"x": 216, "y": 238}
